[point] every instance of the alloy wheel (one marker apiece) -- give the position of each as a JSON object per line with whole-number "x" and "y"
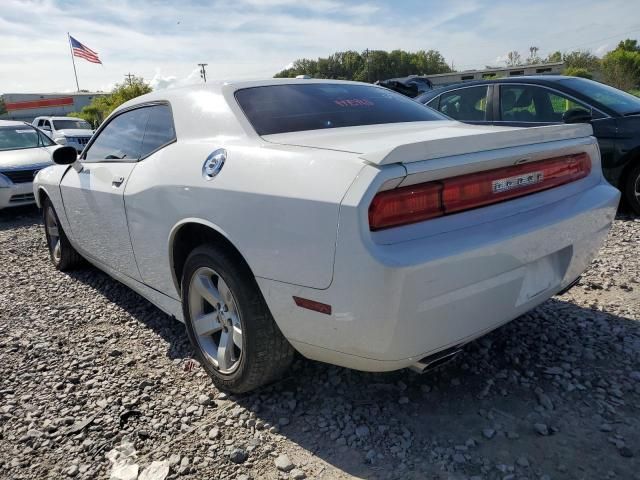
{"x": 216, "y": 320}
{"x": 53, "y": 234}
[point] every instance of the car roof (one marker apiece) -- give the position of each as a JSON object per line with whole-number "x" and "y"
{"x": 12, "y": 123}
{"x": 58, "y": 118}
{"x": 199, "y": 110}
{"x": 233, "y": 85}
{"x": 535, "y": 79}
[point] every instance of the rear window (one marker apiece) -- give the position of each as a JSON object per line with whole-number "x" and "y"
{"x": 294, "y": 108}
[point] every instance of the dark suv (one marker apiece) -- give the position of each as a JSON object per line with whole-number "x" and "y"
{"x": 543, "y": 100}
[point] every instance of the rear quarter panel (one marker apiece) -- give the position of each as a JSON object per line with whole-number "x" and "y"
{"x": 279, "y": 206}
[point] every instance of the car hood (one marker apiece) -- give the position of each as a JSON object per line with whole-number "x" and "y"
{"x": 417, "y": 141}
{"x": 26, "y": 157}
{"x": 69, "y": 132}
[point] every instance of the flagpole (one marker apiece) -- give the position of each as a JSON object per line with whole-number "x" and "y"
{"x": 73, "y": 61}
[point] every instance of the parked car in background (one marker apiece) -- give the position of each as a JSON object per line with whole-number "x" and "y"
{"x": 411, "y": 86}
{"x": 24, "y": 150}
{"x": 550, "y": 99}
{"x": 71, "y": 131}
{"x": 339, "y": 219}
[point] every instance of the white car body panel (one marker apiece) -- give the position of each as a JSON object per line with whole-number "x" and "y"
{"x": 96, "y": 214}
{"x": 295, "y": 207}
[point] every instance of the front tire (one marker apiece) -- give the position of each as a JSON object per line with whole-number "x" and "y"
{"x": 229, "y": 324}
{"x": 63, "y": 256}
{"x": 632, "y": 189}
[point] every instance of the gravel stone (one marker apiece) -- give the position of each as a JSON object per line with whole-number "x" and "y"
{"x": 541, "y": 428}
{"x": 297, "y": 474}
{"x": 94, "y": 376}
{"x": 238, "y": 455}
{"x": 283, "y": 463}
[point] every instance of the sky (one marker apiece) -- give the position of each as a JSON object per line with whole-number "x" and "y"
{"x": 163, "y": 41}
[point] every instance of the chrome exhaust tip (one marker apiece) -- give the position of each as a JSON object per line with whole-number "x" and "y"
{"x": 436, "y": 360}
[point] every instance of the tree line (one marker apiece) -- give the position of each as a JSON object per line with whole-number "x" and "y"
{"x": 369, "y": 66}
{"x": 619, "y": 68}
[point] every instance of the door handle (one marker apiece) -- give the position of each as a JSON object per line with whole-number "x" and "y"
{"x": 117, "y": 181}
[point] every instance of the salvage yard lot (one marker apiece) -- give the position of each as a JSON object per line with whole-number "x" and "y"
{"x": 85, "y": 362}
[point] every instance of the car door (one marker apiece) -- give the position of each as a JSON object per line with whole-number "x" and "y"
{"x": 94, "y": 196}
{"x": 522, "y": 105}
{"x": 466, "y": 104}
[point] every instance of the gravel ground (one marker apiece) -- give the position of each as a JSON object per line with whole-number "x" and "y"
{"x": 98, "y": 382}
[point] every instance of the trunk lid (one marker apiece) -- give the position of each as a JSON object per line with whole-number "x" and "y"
{"x": 419, "y": 141}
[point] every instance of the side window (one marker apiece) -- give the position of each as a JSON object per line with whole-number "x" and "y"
{"x": 47, "y": 123}
{"x": 560, "y": 104}
{"x": 121, "y": 139}
{"x": 40, "y": 123}
{"x": 434, "y": 103}
{"x": 530, "y": 103}
{"x": 159, "y": 129}
{"x": 465, "y": 104}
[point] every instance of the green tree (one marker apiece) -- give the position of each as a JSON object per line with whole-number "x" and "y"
{"x": 628, "y": 45}
{"x": 100, "y": 107}
{"x": 554, "y": 57}
{"x": 369, "y": 66}
{"x": 581, "y": 59}
{"x": 578, "y": 72}
{"x": 621, "y": 68}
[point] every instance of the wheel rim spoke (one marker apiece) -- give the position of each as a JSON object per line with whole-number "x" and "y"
{"x": 53, "y": 231}
{"x": 57, "y": 251}
{"x": 225, "y": 351}
{"x": 207, "y": 290}
{"x": 237, "y": 336}
{"x": 215, "y": 319}
{"x": 207, "y": 324}
{"x": 225, "y": 293}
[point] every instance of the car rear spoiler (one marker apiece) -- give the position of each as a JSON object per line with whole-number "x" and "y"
{"x": 475, "y": 142}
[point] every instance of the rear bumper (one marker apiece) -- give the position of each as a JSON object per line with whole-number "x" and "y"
{"x": 395, "y": 304}
{"x": 16, "y": 194}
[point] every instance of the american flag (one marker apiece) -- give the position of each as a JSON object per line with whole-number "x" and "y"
{"x": 79, "y": 50}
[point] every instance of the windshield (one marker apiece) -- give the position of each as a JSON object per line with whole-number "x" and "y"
{"x": 71, "y": 124}
{"x": 22, "y": 136}
{"x": 293, "y": 108}
{"x": 617, "y": 100}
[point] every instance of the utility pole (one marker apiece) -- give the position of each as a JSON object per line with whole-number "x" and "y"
{"x": 129, "y": 78}
{"x": 366, "y": 52}
{"x": 203, "y": 71}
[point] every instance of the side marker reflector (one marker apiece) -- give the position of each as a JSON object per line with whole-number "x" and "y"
{"x": 312, "y": 305}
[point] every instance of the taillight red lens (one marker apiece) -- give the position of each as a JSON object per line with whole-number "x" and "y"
{"x": 405, "y": 205}
{"x": 493, "y": 186}
{"x": 416, "y": 203}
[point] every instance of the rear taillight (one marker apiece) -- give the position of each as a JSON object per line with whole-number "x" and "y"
{"x": 416, "y": 203}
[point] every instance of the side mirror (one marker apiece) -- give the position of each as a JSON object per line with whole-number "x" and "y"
{"x": 577, "y": 115}
{"x": 65, "y": 155}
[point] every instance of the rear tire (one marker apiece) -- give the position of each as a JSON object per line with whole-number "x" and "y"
{"x": 229, "y": 324}
{"x": 63, "y": 256}
{"x": 631, "y": 189}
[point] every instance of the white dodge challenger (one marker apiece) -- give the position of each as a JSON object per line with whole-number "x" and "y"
{"x": 337, "y": 219}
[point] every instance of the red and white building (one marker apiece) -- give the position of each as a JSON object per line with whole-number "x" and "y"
{"x": 27, "y": 106}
